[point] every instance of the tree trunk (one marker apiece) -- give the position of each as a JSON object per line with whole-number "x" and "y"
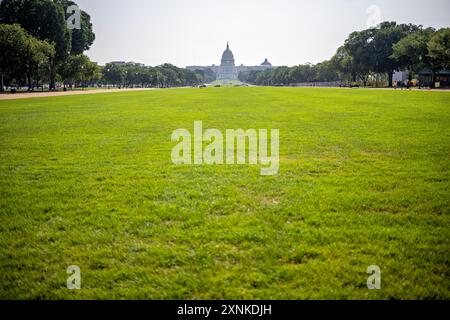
{"x": 30, "y": 84}
{"x": 2, "y": 85}
{"x": 52, "y": 85}
{"x": 433, "y": 79}
{"x": 390, "y": 78}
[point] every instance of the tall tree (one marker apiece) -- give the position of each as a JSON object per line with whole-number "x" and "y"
{"x": 411, "y": 52}
{"x": 281, "y": 76}
{"x": 44, "y": 19}
{"x": 36, "y": 54}
{"x": 13, "y": 45}
{"x": 83, "y": 37}
{"x": 359, "y": 48}
{"x": 302, "y": 73}
{"x": 20, "y": 53}
{"x": 325, "y": 72}
{"x": 343, "y": 62}
{"x": 113, "y": 74}
{"x": 73, "y": 68}
{"x": 424, "y": 49}
{"x": 381, "y": 44}
{"x": 439, "y": 48}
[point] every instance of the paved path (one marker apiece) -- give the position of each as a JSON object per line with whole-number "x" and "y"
{"x": 63, "y": 93}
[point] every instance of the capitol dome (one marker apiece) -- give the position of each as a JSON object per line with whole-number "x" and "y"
{"x": 266, "y": 63}
{"x": 227, "y": 57}
{"x": 227, "y": 69}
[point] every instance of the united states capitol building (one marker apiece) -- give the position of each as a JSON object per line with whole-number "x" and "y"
{"x": 228, "y": 70}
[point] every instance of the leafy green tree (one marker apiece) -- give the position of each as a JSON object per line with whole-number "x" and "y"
{"x": 142, "y": 76}
{"x": 113, "y": 74}
{"x": 325, "y": 72}
{"x": 36, "y": 54}
{"x": 45, "y": 20}
{"x": 42, "y": 74}
{"x": 302, "y": 73}
{"x": 70, "y": 70}
{"x": 342, "y": 62}
{"x": 20, "y": 53}
{"x": 426, "y": 48}
{"x": 381, "y": 46}
{"x": 160, "y": 78}
{"x": 210, "y": 76}
{"x": 13, "y": 45}
{"x": 90, "y": 72}
{"x": 265, "y": 78}
{"x": 79, "y": 69}
{"x": 200, "y": 76}
{"x": 192, "y": 78}
{"x": 411, "y": 52}
{"x": 171, "y": 75}
{"x": 359, "y": 48}
{"x": 243, "y": 76}
{"x": 281, "y": 75}
{"x": 439, "y": 48}
{"x": 84, "y": 37}
{"x": 370, "y": 51}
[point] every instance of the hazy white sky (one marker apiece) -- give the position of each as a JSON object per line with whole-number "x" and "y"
{"x": 195, "y": 32}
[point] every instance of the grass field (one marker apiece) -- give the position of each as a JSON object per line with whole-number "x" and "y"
{"x": 88, "y": 181}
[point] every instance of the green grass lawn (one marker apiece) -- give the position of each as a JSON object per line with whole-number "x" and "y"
{"x": 225, "y": 83}
{"x": 88, "y": 181}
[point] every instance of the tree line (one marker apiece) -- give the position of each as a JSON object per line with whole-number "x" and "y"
{"x": 371, "y": 55}
{"x": 321, "y": 72}
{"x": 163, "y": 76}
{"x": 38, "y": 45}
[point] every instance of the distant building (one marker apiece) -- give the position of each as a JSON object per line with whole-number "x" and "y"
{"x": 118, "y": 63}
{"x": 228, "y": 70}
{"x": 130, "y": 63}
{"x": 426, "y": 78}
{"x": 401, "y": 76}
